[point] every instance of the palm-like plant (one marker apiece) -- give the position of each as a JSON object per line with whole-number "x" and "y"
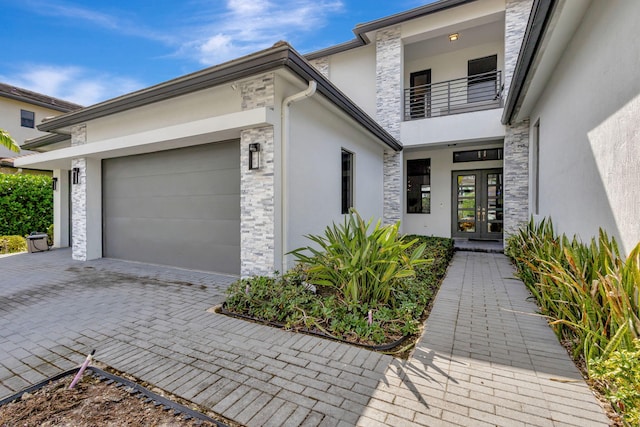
{"x": 7, "y": 141}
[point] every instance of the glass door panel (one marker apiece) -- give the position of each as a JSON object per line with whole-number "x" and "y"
{"x": 478, "y": 207}
{"x": 466, "y": 202}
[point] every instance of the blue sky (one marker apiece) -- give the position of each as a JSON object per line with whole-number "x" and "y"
{"x": 87, "y": 51}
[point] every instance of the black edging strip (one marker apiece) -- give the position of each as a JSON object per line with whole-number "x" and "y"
{"x": 109, "y": 378}
{"x": 381, "y": 347}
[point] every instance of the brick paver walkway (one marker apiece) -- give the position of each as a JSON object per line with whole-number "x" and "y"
{"x": 481, "y": 360}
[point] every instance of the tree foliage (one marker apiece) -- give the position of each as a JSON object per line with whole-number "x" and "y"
{"x": 8, "y": 142}
{"x": 26, "y": 204}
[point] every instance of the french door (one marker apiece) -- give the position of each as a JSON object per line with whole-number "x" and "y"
{"x": 477, "y": 204}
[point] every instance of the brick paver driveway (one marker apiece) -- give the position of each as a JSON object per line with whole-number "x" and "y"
{"x": 485, "y": 358}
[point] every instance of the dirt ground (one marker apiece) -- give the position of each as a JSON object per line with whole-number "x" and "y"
{"x": 90, "y": 403}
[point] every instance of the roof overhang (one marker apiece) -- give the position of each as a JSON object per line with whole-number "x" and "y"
{"x": 281, "y": 55}
{"x": 551, "y": 26}
{"x": 361, "y": 30}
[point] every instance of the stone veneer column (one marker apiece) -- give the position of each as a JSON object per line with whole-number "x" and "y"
{"x": 389, "y": 59}
{"x": 79, "y": 198}
{"x": 322, "y": 65}
{"x": 516, "y": 140}
{"x": 257, "y": 187}
{"x": 516, "y": 176}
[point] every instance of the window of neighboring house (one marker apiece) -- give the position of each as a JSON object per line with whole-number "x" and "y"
{"x": 482, "y": 84}
{"x": 27, "y": 119}
{"x": 535, "y": 170}
{"x": 347, "y": 181}
{"x": 419, "y": 186}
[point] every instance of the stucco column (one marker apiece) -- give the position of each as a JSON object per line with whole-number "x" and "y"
{"x": 86, "y": 202}
{"x": 257, "y": 186}
{"x": 61, "y": 209}
{"x": 389, "y": 65}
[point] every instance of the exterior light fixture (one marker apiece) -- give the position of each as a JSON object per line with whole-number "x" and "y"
{"x": 54, "y": 183}
{"x": 75, "y": 175}
{"x": 453, "y": 37}
{"x": 254, "y": 156}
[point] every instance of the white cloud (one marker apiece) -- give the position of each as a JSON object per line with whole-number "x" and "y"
{"x": 71, "y": 83}
{"x": 249, "y": 25}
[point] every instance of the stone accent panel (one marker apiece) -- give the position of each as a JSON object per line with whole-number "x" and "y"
{"x": 257, "y": 207}
{"x": 392, "y": 187}
{"x": 79, "y": 198}
{"x": 322, "y": 65}
{"x": 516, "y": 177}
{"x": 258, "y": 92}
{"x": 516, "y": 17}
{"x": 389, "y": 80}
{"x": 79, "y": 211}
{"x": 389, "y": 115}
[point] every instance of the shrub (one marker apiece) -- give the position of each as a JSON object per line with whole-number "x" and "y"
{"x": 12, "y": 244}
{"x": 289, "y": 301}
{"x": 26, "y": 204}
{"x": 50, "y": 235}
{"x": 619, "y": 377}
{"x": 364, "y": 267}
{"x": 589, "y": 293}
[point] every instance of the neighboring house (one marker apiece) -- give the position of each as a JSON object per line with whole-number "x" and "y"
{"x": 20, "y": 112}
{"x": 406, "y": 122}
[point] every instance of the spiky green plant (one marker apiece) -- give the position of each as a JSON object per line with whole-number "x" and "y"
{"x": 364, "y": 266}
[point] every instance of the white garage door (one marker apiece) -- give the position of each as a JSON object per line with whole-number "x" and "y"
{"x": 178, "y": 207}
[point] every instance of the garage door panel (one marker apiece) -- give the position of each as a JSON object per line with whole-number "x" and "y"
{"x": 178, "y": 207}
{"x": 201, "y": 158}
{"x": 184, "y": 183}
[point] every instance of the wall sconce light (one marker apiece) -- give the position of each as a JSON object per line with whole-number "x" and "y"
{"x": 54, "y": 183}
{"x": 254, "y": 156}
{"x": 75, "y": 175}
{"x": 453, "y": 37}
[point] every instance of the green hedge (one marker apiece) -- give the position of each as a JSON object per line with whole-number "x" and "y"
{"x": 12, "y": 244}
{"x": 26, "y": 204}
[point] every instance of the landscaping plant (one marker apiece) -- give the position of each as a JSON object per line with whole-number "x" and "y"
{"x": 26, "y": 204}
{"x": 364, "y": 267}
{"x": 347, "y": 292}
{"x": 591, "y": 296}
{"x": 12, "y": 244}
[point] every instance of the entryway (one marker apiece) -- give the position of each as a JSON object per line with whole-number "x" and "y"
{"x": 477, "y": 204}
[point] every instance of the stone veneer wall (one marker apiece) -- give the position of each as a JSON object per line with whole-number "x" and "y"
{"x": 516, "y": 176}
{"x": 516, "y": 140}
{"x": 257, "y": 187}
{"x": 389, "y": 114}
{"x": 322, "y": 65}
{"x": 79, "y": 198}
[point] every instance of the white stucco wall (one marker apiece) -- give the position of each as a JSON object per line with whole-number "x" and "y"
{"x": 590, "y": 128}
{"x": 354, "y": 73}
{"x": 438, "y": 222}
{"x": 453, "y": 65}
{"x": 317, "y": 137}
{"x": 183, "y": 109}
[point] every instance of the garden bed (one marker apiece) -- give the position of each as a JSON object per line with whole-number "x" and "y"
{"x": 99, "y": 399}
{"x": 308, "y": 300}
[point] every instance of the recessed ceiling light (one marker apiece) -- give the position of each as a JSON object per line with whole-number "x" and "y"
{"x": 453, "y": 37}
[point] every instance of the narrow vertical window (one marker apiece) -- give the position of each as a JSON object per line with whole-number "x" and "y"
{"x": 347, "y": 181}
{"x": 419, "y": 186}
{"x": 535, "y": 170}
{"x": 27, "y": 119}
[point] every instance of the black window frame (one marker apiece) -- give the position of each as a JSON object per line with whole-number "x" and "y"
{"x": 418, "y": 177}
{"x": 346, "y": 180}
{"x": 27, "y": 119}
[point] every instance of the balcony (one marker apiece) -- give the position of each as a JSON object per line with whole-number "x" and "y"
{"x": 474, "y": 93}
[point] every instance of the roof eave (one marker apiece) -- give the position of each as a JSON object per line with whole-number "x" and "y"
{"x": 281, "y": 55}
{"x": 361, "y": 30}
{"x": 541, "y": 13}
